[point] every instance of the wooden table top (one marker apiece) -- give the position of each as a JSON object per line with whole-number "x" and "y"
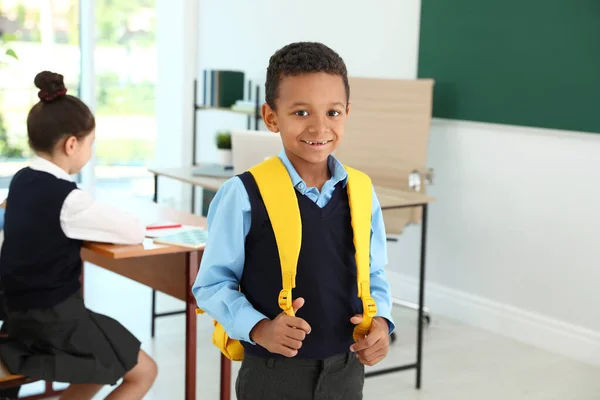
{"x": 186, "y": 175}
{"x": 388, "y": 198}
{"x": 395, "y": 198}
{"x": 149, "y": 213}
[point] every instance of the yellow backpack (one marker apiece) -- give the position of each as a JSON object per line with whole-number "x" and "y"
{"x": 280, "y": 200}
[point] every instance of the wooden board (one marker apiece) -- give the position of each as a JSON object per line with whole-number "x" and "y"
{"x": 164, "y": 272}
{"x": 387, "y": 134}
{"x": 161, "y": 267}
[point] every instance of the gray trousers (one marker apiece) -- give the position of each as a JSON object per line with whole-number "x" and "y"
{"x": 336, "y": 378}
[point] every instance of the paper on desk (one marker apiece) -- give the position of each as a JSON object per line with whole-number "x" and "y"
{"x": 154, "y": 233}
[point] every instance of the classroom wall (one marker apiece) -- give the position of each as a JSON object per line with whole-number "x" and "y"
{"x": 512, "y": 247}
{"x": 177, "y": 32}
{"x": 513, "y": 242}
{"x": 243, "y": 36}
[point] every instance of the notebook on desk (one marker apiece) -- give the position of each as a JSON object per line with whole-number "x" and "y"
{"x": 193, "y": 238}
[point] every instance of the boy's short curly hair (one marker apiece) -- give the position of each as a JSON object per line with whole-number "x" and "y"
{"x": 302, "y": 58}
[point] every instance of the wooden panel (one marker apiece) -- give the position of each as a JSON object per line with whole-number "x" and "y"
{"x": 165, "y": 272}
{"x": 387, "y": 134}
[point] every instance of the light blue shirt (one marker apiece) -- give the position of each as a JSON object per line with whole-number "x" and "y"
{"x": 2, "y": 211}
{"x": 216, "y": 286}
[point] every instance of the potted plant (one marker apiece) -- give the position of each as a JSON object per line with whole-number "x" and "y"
{"x": 224, "y": 148}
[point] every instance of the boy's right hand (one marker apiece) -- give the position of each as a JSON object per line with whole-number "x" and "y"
{"x": 284, "y": 334}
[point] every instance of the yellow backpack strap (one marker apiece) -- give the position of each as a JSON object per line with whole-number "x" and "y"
{"x": 279, "y": 197}
{"x": 360, "y": 197}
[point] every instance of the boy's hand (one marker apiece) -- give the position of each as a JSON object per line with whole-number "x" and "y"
{"x": 373, "y": 348}
{"x": 284, "y": 334}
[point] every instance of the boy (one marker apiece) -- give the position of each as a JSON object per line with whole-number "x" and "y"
{"x": 311, "y": 355}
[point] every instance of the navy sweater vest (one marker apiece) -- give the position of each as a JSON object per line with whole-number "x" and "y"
{"x": 39, "y": 265}
{"x": 326, "y": 274}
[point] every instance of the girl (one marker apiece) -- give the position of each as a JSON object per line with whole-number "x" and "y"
{"x": 54, "y": 337}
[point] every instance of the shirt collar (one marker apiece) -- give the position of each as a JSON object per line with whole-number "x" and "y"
{"x": 336, "y": 169}
{"x": 41, "y": 164}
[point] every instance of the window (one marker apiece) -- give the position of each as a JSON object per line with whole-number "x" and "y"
{"x": 125, "y": 68}
{"x": 45, "y": 36}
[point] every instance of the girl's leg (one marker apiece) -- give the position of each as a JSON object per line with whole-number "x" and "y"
{"x": 137, "y": 382}
{"x": 80, "y": 392}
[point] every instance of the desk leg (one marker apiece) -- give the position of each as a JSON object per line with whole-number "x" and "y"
{"x": 155, "y": 197}
{"x": 421, "y": 310}
{"x": 190, "y": 327}
{"x": 421, "y": 297}
{"x": 225, "y": 378}
{"x": 153, "y": 315}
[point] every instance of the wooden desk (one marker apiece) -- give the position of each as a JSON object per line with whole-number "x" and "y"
{"x": 394, "y": 199}
{"x": 389, "y": 199}
{"x": 186, "y": 175}
{"x": 168, "y": 269}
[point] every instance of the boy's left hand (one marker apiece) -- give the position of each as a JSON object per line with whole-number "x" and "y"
{"x": 374, "y": 347}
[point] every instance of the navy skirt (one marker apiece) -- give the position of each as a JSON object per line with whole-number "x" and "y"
{"x": 68, "y": 343}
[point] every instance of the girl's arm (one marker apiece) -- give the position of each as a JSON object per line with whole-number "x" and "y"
{"x": 84, "y": 218}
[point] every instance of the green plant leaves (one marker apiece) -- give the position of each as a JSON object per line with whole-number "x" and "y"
{"x": 8, "y": 37}
{"x": 11, "y": 53}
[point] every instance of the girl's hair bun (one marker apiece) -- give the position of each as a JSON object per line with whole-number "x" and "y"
{"x": 51, "y": 85}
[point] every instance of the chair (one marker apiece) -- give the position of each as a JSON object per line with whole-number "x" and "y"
{"x": 10, "y": 384}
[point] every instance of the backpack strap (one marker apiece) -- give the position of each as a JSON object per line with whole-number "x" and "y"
{"x": 279, "y": 197}
{"x": 360, "y": 197}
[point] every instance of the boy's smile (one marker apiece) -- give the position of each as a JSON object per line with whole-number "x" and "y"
{"x": 310, "y": 113}
{"x": 322, "y": 143}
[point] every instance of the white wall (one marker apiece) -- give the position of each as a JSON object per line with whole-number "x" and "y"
{"x": 513, "y": 241}
{"x": 176, "y": 43}
{"x": 518, "y": 217}
{"x": 378, "y": 40}
{"x": 512, "y": 246}
{"x": 176, "y": 39}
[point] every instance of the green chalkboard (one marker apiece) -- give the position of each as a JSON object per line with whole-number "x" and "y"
{"x": 518, "y": 62}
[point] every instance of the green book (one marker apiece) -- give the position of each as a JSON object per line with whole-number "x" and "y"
{"x": 226, "y": 87}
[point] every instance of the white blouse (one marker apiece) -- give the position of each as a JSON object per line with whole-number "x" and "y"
{"x": 84, "y": 218}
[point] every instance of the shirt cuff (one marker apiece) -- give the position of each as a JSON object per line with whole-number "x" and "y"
{"x": 390, "y": 321}
{"x": 245, "y": 321}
